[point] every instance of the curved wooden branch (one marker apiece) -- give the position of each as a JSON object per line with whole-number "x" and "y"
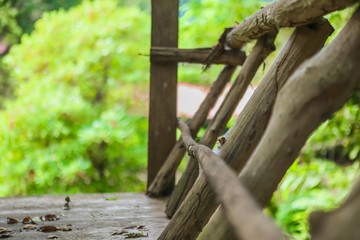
{"x": 241, "y": 210}
{"x": 282, "y": 13}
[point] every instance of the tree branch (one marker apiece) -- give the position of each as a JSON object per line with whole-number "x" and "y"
{"x": 243, "y": 213}
{"x": 282, "y": 13}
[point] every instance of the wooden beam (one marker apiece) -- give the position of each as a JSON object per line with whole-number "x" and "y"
{"x": 282, "y": 13}
{"x": 199, "y": 55}
{"x": 241, "y": 209}
{"x": 163, "y": 87}
{"x": 199, "y": 204}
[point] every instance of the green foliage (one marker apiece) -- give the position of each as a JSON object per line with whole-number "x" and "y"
{"x": 310, "y": 186}
{"x": 67, "y": 129}
{"x": 9, "y": 27}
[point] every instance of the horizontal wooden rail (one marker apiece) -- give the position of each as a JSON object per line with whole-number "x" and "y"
{"x": 198, "y": 55}
{"x": 241, "y": 210}
{"x": 282, "y": 13}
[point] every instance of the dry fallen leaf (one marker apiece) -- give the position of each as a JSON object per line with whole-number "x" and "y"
{"x": 52, "y": 237}
{"x": 48, "y": 228}
{"x": 28, "y": 220}
{"x": 5, "y": 233}
{"x": 11, "y": 220}
{"x": 135, "y": 231}
{"x": 29, "y": 227}
{"x": 49, "y": 217}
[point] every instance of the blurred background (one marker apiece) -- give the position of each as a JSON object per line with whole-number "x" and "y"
{"x": 74, "y": 77}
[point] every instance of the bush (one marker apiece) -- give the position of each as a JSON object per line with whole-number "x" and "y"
{"x": 67, "y": 130}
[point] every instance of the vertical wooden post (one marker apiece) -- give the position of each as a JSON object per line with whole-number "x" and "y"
{"x": 163, "y": 87}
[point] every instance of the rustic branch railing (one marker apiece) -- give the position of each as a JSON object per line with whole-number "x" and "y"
{"x": 241, "y": 210}
{"x": 299, "y": 95}
{"x": 199, "y": 55}
{"x": 194, "y": 212}
{"x": 282, "y": 13}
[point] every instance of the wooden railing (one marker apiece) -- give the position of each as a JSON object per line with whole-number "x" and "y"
{"x": 304, "y": 87}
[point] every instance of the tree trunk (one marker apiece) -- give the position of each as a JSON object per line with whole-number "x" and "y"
{"x": 261, "y": 50}
{"x": 199, "y": 205}
{"x": 313, "y": 93}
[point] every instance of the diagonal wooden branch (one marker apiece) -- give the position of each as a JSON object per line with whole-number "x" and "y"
{"x": 262, "y": 49}
{"x": 282, "y": 13}
{"x": 167, "y": 171}
{"x": 312, "y": 94}
{"x": 199, "y": 55}
{"x": 342, "y": 223}
{"x": 241, "y": 210}
{"x": 199, "y": 204}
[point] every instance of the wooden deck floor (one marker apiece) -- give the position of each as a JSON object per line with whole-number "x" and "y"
{"x": 92, "y": 216}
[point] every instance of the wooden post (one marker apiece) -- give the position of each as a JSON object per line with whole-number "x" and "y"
{"x": 163, "y": 86}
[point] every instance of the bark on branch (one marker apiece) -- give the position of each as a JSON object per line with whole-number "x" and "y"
{"x": 282, "y": 13}
{"x": 313, "y": 93}
{"x": 241, "y": 210}
{"x": 199, "y": 55}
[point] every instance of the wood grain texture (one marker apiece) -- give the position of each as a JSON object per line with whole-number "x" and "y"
{"x": 241, "y": 210}
{"x": 163, "y": 88}
{"x": 312, "y": 94}
{"x": 92, "y": 216}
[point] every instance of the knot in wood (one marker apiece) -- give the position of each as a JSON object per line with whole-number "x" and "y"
{"x": 192, "y": 151}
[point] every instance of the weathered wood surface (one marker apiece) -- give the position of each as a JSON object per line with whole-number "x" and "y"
{"x": 91, "y": 216}
{"x": 282, "y": 13}
{"x": 163, "y": 87}
{"x": 262, "y": 49}
{"x": 199, "y": 55}
{"x": 168, "y": 170}
{"x": 242, "y": 211}
{"x": 342, "y": 223}
{"x": 311, "y": 95}
{"x": 200, "y": 203}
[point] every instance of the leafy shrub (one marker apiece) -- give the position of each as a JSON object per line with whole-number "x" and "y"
{"x": 68, "y": 130}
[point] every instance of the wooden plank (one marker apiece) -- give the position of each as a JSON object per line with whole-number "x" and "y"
{"x": 163, "y": 87}
{"x": 262, "y": 49}
{"x": 92, "y": 216}
{"x": 198, "y": 55}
